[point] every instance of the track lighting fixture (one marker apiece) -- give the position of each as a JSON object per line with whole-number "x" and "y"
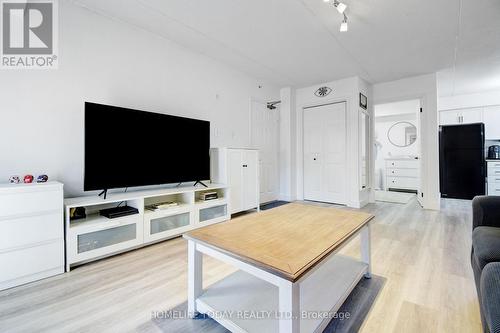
{"x": 343, "y": 26}
{"x": 341, "y": 7}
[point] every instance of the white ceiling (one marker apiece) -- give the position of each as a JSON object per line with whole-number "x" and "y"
{"x": 297, "y": 42}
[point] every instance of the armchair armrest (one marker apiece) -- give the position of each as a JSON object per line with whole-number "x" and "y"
{"x": 486, "y": 211}
{"x": 490, "y": 297}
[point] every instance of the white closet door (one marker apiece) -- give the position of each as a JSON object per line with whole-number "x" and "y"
{"x": 250, "y": 184}
{"x": 313, "y": 149}
{"x": 325, "y": 153}
{"x": 235, "y": 174}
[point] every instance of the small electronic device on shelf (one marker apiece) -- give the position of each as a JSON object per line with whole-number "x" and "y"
{"x": 205, "y": 196}
{"x": 115, "y": 212}
{"x": 162, "y": 205}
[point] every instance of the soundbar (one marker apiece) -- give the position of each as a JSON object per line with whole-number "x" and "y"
{"x": 113, "y": 213}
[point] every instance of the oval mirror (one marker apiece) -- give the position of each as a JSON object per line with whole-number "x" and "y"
{"x": 402, "y": 134}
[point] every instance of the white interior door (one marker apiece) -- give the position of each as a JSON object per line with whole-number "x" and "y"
{"x": 265, "y": 138}
{"x": 325, "y": 153}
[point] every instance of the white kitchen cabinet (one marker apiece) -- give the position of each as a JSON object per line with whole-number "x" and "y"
{"x": 491, "y": 118}
{"x": 461, "y": 116}
{"x": 450, "y": 117}
{"x": 472, "y": 116}
{"x": 239, "y": 169}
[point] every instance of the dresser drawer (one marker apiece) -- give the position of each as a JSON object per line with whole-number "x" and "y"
{"x": 30, "y": 202}
{"x": 32, "y": 260}
{"x": 493, "y": 188}
{"x": 493, "y": 179}
{"x": 412, "y": 173}
{"x": 401, "y": 164}
{"x": 494, "y": 164}
{"x": 402, "y": 182}
{"x": 30, "y": 230}
{"x": 493, "y": 172}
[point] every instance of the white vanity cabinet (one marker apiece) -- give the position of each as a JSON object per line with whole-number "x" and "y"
{"x": 401, "y": 174}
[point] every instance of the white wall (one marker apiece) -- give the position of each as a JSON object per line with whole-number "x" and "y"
{"x": 469, "y": 100}
{"x": 342, "y": 90}
{"x": 422, "y": 87}
{"x": 106, "y": 61}
{"x": 287, "y": 153}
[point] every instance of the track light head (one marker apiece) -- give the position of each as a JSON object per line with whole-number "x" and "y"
{"x": 341, "y": 7}
{"x": 343, "y": 26}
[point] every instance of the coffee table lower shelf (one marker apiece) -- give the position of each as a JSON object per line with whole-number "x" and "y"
{"x": 242, "y": 302}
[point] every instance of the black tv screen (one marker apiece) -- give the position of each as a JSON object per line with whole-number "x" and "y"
{"x": 126, "y": 148}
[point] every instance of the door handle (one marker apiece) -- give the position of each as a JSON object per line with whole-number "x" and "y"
{"x": 245, "y": 165}
{"x": 314, "y": 159}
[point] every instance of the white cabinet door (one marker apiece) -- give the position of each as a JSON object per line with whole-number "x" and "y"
{"x": 234, "y": 174}
{"x": 451, "y": 117}
{"x": 325, "y": 153}
{"x": 491, "y": 118}
{"x": 471, "y": 116}
{"x": 250, "y": 181}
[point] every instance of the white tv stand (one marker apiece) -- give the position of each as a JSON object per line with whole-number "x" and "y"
{"x": 96, "y": 237}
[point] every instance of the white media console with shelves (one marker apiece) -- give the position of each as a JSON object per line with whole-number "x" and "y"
{"x": 96, "y": 236}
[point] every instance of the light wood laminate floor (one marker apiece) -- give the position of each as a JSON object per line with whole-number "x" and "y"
{"x": 424, "y": 256}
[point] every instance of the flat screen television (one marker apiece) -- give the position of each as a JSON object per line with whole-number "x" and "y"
{"x": 127, "y": 148}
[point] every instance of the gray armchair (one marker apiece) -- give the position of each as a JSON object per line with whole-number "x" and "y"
{"x": 485, "y": 259}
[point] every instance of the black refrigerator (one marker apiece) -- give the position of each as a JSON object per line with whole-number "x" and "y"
{"x": 461, "y": 161}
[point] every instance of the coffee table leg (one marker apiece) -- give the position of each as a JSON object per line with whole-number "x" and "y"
{"x": 289, "y": 307}
{"x": 366, "y": 249}
{"x": 195, "y": 277}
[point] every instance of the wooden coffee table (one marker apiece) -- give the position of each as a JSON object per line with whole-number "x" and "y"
{"x": 290, "y": 278}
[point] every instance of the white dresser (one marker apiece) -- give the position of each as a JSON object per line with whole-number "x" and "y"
{"x": 493, "y": 177}
{"x": 31, "y": 232}
{"x": 401, "y": 174}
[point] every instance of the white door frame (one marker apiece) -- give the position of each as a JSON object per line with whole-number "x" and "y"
{"x": 422, "y": 157}
{"x": 301, "y": 138}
